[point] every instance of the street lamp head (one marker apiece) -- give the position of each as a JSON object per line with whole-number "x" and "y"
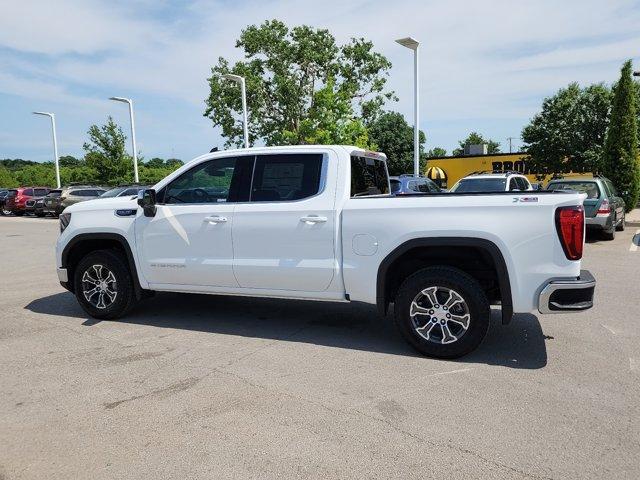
{"x": 233, "y": 78}
{"x": 408, "y": 42}
{"x": 120, "y": 99}
{"x": 43, "y": 113}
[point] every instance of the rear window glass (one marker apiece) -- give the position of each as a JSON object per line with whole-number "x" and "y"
{"x": 590, "y": 188}
{"x": 368, "y": 177}
{"x": 40, "y": 192}
{"x": 480, "y": 185}
{"x": 395, "y": 185}
{"x": 54, "y": 193}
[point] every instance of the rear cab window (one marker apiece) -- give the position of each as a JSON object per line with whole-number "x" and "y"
{"x": 590, "y": 188}
{"x": 369, "y": 176}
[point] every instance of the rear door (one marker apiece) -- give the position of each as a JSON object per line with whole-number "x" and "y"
{"x": 284, "y": 237}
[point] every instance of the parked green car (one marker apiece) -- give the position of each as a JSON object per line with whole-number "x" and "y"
{"x": 603, "y": 208}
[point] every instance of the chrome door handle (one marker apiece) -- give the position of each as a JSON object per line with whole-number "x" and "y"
{"x": 215, "y": 219}
{"x": 311, "y": 219}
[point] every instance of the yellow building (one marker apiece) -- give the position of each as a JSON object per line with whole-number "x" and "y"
{"x": 455, "y": 167}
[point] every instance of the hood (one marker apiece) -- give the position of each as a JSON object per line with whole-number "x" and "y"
{"x": 103, "y": 204}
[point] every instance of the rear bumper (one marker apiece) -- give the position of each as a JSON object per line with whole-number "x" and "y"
{"x": 599, "y": 223}
{"x": 568, "y": 295}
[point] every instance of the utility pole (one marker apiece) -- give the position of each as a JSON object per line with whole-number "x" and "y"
{"x": 510, "y": 146}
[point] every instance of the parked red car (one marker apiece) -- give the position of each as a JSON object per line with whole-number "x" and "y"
{"x": 15, "y": 202}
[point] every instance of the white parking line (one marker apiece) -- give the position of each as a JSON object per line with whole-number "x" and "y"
{"x": 607, "y": 327}
{"x": 634, "y": 245}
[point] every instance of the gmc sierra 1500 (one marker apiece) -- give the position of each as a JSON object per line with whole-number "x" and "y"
{"x": 319, "y": 223}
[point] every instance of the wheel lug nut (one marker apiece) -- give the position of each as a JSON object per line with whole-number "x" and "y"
{"x": 442, "y": 322}
{"x": 437, "y": 306}
{"x": 448, "y": 315}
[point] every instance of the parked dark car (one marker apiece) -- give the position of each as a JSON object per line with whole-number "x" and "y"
{"x": 124, "y": 191}
{"x": 4, "y": 193}
{"x": 603, "y": 208}
{"x": 59, "y": 199}
{"x": 410, "y": 185}
{"x": 16, "y": 202}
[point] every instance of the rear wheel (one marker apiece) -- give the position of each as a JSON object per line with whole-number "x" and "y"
{"x": 5, "y": 211}
{"x": 610, "y": 234}
{"x": 103, "y": 285}
{"x": 442, "y": 312}
{"x": 621, "y": 225}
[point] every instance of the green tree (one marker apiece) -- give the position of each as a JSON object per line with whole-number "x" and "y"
{"x": 155, "y": 163}
{"x": 475, "y": 138}
{"x": 174, "y": 163}
{"x": 436, "y": 152}
{"x": 287, "y": 72}
{"x": 69, "y": 161}
{"x": 621, "y": 163}
{"x": 40, "y": 174}
{"x": 391, "y": 134}
{"x": 106, "y": 154}
{"x": 7, "y": 180}
{"x": 569, "y": 133}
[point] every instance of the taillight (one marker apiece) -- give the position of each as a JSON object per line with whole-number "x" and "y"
{"x": 570, "y": 227}
{"x": 604, "y": 209}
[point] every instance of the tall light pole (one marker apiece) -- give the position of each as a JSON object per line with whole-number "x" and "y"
{"x": 245, "y": 116}
{"x": 133, "y": 134}
{"x": 413, "y": 44}
{"x": 55, "y": 143}
{"x": 509, "y": 139}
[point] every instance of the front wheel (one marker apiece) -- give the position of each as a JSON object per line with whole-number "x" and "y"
{"x": 103, "y": 285}
{"x": 442, "y": 312}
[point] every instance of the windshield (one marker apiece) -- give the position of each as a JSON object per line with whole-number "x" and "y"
{"x": 480, "y": 185}
{"x": 114, "y": 192}
{"x": 590, "y": 188}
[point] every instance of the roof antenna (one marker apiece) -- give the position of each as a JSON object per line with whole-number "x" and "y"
{"x": 214, "y": 149}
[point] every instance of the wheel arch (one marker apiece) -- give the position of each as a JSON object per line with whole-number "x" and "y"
{"x": 454, "y": 252}
{"x": 84, "y": 243}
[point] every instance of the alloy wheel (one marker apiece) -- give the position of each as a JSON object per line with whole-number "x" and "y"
{"x": 99, "y": 286}
{"x": 440, "y": 315}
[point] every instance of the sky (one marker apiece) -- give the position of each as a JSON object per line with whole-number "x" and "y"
{"x": 485, "y": 65}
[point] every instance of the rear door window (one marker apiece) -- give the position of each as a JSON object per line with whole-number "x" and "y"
{"x": 368, "y": 177}
{"x": 286, "y": 177}
{"x": 28, "y": 192}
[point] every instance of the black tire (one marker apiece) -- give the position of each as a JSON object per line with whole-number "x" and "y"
{"x": 609, "y": 234}
{"x": 620, "y": 227}
{"x": 40, "y": 214}
{"x": 124, "y": 298}
{"x": 474, "y": 300}
{"x": 18, "y": 213}
{"x": 4, "y": 212}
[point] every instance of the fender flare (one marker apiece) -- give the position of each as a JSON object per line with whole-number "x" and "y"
{"x": 491, "y": 248}
{"x": 82, "y": 237}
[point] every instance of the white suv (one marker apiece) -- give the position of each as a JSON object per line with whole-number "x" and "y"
{"x": 492, "y": 182}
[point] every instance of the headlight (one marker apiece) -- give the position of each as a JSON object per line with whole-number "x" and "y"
{"x": 65, "y": 218}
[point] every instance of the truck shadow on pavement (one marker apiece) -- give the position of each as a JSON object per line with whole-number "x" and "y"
{"x": 521, "y": 344}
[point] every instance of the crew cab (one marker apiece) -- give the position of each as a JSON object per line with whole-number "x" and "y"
{"x": 319, "y": 223}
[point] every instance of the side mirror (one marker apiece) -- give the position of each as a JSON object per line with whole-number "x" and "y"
{"x": 147, "y": 200}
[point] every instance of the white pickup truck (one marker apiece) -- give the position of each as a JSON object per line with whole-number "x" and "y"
{"x": 318, "y": 223}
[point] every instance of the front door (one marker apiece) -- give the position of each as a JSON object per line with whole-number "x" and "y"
{"x": 188, "y": 241}
{"x": 284, "y": 237}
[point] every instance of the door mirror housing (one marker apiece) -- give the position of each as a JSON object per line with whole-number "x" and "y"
{"x": 147, "y": 200}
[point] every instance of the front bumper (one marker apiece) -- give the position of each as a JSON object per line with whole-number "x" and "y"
{"x": 568, "y": 295}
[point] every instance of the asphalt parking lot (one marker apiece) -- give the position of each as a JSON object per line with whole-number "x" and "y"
{"x": 222, "y": 387}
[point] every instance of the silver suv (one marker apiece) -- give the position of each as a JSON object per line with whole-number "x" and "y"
{"x": 58, "y": 200}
